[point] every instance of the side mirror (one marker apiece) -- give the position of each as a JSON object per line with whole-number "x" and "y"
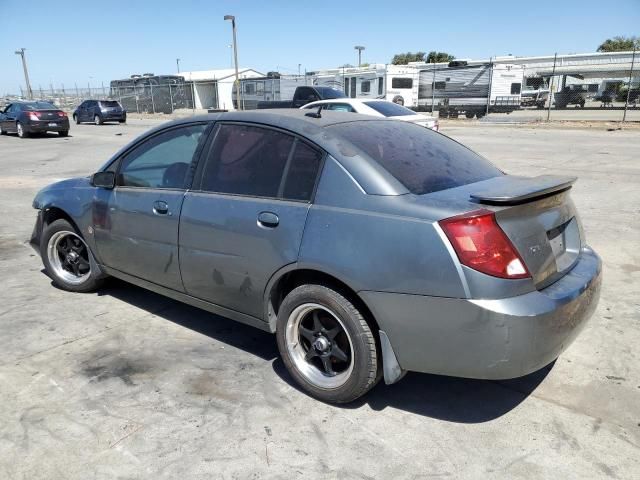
{"x": 104, "y": 180}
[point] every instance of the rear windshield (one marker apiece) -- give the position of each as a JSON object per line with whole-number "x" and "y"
{"x": 39, "y": 106}
{"x": 328, "y": 92}
{"x": 389, "y": 109}
{"x": 109, "y": 103}
{"x": 422, "y": 160}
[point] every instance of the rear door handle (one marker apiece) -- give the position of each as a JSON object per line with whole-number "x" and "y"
{"x": 268, "y": 220}
{"x": 160, "y": 207}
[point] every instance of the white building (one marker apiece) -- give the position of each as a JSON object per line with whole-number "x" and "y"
{"x": 213, "y": 89}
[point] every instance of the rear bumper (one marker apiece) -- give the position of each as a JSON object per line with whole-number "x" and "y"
{"x": 113, "y": 117}
{"x": 489, "y": 339}
{"x": 43, "y": 126}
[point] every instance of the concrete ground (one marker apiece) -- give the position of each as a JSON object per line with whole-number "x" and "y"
{"x": 127, "y": 384}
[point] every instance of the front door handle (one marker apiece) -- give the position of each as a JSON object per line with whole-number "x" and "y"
{"x": 160, "y": 207}
{"x": 268, "y": 220}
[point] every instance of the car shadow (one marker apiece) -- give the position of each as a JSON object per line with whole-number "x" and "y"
{"x": 451, "y": 399}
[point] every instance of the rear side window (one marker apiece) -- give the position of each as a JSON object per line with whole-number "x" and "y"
{"x": 260, "y": 162}
{"x": 422, "y": 160}
{"x": 109, "y": 104}
{"x": 302, "y": 172}
{"x": 389, "y": 109}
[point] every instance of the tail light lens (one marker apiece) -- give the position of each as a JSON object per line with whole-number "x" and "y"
{"x": 62, "y": 114}
{"x": 436, "y": 126}
{"x": 481, "y": 244}
{"x": 35, "y": 116}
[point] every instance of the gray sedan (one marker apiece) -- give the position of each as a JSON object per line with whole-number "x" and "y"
{"x": 370, "y": 247}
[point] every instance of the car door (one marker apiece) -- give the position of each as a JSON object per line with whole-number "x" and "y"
{"x": 245, "y": 217}
{"x": 82, "y": 111}
{"x": 136, "y": 223}
{"x": 9, "y": 118}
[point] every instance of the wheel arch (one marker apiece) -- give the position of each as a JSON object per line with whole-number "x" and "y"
{"x": 294, "y": 275}
{"x": 52, "y": 213}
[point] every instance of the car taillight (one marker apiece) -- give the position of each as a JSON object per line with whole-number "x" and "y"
{"x": 481, "y": 244}
{"x": 436, "y": 126}
{"x": 35, "y": 116}
{"x": 62, "y": 114}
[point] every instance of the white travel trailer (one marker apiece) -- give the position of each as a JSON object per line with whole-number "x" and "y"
{"x": 470, "y": 89}
{"x": 363, "y": 82}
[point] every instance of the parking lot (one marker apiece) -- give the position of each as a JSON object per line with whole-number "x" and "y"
{"x": 126, "y": 383}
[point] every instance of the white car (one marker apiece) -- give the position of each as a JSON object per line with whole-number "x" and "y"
{"x": 376, "y": 108}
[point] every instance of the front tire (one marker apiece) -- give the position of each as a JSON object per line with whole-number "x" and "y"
{"x": 67, "y": 258}
{"x": 97, "y": 120}
{"x": 327, "y": 345}
{"x": 76, "y": 119}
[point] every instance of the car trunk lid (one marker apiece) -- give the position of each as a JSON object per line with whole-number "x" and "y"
{"x": 538, "y": 216}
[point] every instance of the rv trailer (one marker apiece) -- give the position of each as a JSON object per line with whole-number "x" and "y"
{"x": 458, "y": 88}
{"x": 273, "y": 87}
{"x": 364, "y": 82}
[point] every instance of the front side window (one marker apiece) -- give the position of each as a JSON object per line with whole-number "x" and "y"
{"x": 163, "y": 160}
{"x": 260, "y": 162}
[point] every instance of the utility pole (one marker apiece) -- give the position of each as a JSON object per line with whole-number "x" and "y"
{"x": 299, "y": 70}
{"x": 633, "y": 59}
{"x": 235, "y": 58}
{"x": 26, "y": 73}
{"x": 178, "y": 64}
{"x": 553, "y": 74}
{"x": 359, "y": 48}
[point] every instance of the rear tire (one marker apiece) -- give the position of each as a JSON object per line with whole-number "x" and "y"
{"x": 469, "y": 115}
{"x": 22, "y": 133}
{"x": 67, "y": 258}
{"x": 97, "y": 120}
{"x": 64, "y": 133}
{"x": 327, "y": 345}
{"x": 2, "y": 132}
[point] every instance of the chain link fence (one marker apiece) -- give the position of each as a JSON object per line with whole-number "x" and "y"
{"x": 561, "y": 87}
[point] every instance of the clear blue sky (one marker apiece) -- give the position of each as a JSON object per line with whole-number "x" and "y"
{"x": 80, "y": 41}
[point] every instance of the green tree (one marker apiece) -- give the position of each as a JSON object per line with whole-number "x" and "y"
{"x": 405, "y": 58}
{"x": 439, "y": 57}
{"x": 619, "y": 44}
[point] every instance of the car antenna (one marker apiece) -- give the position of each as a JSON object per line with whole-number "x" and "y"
{"x": 314, "y": 114}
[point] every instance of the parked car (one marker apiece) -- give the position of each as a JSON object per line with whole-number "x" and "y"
{"x": 25, "y": 118}
{"x": 302, "y": 96}
{"x": 99, "y": 112}
{"x": 370, "y": 247}
{"x": 376, "y": 108}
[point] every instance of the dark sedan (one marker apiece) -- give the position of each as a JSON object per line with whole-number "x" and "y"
{"x": 369, "y": 246}
{"x": 25, "y": 118}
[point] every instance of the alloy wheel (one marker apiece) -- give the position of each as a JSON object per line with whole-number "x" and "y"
{"x": 319, "y": 346}
{"x": 69, "y": 257}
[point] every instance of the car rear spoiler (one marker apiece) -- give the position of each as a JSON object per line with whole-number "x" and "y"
{"x": 515, "y": 190}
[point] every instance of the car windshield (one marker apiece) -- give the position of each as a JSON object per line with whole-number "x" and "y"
{"x": 389, "y": 109}
{"x": 109, "y": 103}
{"x": 328, "y": 92}
{"x": 39, "y": 106}
{"x": 422, "y": 160}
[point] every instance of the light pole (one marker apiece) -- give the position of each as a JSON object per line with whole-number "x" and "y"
{"x": 359, "y": 48}
{"x": 235, "y": 58}
{"x": 26, "y": 73}
{"x": 178, "y": 64}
